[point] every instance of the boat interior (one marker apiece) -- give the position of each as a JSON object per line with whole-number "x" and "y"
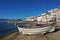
{"x": 33, "y": 24}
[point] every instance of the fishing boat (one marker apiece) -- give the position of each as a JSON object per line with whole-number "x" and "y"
{"x": 27, "y": 28}
{"x": 52, "y": 19}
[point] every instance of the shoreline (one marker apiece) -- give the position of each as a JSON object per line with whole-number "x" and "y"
{"x": 48, "y": 36}
{"x": 8, "y": 33}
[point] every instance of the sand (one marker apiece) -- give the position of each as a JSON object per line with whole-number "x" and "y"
{"x": 17, "y": 36}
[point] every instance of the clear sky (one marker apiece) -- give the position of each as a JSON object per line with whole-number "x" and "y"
{"x": 24, "y": 8}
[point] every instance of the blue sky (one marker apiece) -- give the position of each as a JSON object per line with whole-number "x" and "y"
{"x": 13, "y": 9}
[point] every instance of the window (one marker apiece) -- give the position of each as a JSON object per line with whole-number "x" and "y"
{"x": 58, "y": 19}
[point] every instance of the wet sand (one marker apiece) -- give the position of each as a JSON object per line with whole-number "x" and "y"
{"x": 49, "y": 36}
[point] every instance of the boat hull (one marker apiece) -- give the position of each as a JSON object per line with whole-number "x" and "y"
{"x": 52, "y": 29}
{"x": 36, "y": 30}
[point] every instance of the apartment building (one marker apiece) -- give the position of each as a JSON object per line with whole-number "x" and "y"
{"x": 58, "y": 18}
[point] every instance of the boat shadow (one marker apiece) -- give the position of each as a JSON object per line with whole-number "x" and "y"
{"x": 57, "y": 29}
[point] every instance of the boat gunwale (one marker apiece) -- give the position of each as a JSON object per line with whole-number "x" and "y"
{"x": 33, "y": 28}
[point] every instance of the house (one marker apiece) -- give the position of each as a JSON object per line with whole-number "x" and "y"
{"x": 29, "y": 19}
{"x": 58, "y": 18}
{"x": 52, "y": 15}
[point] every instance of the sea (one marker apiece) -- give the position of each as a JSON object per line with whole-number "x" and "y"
{"x": 6, "y": 28}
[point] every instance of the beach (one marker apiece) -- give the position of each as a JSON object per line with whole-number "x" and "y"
{"x": 17, "y": 36}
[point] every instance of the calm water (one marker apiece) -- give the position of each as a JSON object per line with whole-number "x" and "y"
{"x": 6, "y": 28}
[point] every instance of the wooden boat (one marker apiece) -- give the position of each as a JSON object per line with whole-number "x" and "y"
{"x": 36, "y": 30}
{"x": 50, "y": 27}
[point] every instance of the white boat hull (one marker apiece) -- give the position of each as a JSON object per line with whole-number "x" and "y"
{"x": 51, "y": 29}
{"x": 36, "y": 30}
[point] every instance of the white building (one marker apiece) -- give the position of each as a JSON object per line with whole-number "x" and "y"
{"x": 39, "y": 18}
{"x": 29, "y": 19}
{"x": 45, "y": 16}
